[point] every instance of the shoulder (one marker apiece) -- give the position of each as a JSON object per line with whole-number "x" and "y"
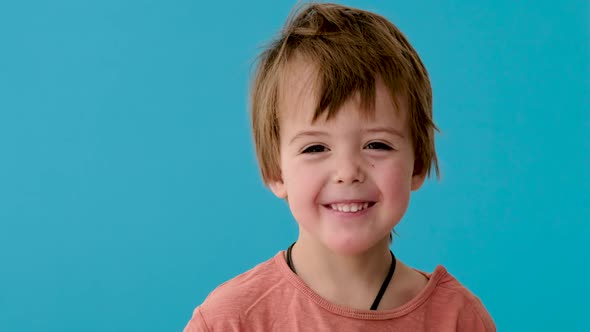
{"x": 470, "y": 312}
{"x": 227, "y": 305}
{"x": 244, "y": 288}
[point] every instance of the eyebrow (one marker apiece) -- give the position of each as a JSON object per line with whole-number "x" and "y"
{"x": 317, "y": 133}
{"x": 389, "y": 130}
{"x": 312, "y": 133}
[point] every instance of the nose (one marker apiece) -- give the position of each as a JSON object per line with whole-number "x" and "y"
{"x": 348, "y": 169}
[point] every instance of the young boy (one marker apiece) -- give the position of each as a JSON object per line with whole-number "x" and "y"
{"x": 342, "y": 121}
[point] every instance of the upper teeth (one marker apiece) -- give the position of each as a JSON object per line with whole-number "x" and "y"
{"x": 352, "y": 207}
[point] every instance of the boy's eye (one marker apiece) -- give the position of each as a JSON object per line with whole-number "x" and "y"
{"x": 378, "y": 146}
{"x": 314, "y": 149}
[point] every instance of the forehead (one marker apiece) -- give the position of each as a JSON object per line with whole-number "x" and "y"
{"x": 299, "y": 93}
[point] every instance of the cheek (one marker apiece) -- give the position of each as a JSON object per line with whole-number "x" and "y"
{"x": 303, "y": 188}
{"x": 302, "y": 182}
{"x": 395, "y": 180}
{"x": 297, "y": 171}
{"x": 302, "y": 203}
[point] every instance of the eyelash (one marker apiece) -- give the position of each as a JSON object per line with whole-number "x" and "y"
{"x": 310, "y": 149}
{"x": 381, "y": 146}
{"x": 376, "y": 146}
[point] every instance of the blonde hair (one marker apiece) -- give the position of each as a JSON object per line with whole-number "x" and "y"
{"x": 350, "y": 48}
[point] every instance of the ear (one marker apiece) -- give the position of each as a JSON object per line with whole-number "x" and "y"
{"x": 418, "y": 180}
{"x": 278, "y": 188}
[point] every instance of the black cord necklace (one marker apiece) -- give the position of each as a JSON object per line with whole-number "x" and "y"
{"x": 383, "y": 286}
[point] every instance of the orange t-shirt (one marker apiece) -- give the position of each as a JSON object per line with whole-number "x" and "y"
{"x": 270, "y": 297}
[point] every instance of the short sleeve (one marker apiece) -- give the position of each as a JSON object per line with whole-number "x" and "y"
{"x": 475, "y": 318}
{"x": 197, "y": 323}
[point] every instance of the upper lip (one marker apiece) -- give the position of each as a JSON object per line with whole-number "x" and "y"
{"x": 349, "y": 201}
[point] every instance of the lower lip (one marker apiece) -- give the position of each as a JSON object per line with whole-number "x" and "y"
{"x": 348, "y": 214}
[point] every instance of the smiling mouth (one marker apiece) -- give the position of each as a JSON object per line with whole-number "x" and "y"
{"x": 350, "y": 207}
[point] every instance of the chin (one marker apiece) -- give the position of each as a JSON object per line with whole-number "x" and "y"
{"x": 350, "y": 247}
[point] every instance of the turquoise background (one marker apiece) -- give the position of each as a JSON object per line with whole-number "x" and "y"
{"x": 129, "y": 187}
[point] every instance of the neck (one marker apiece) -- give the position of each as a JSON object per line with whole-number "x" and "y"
{"x": 349, "y": 280}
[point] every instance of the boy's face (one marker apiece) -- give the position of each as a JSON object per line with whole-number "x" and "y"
{"x": 347, "y": 180}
